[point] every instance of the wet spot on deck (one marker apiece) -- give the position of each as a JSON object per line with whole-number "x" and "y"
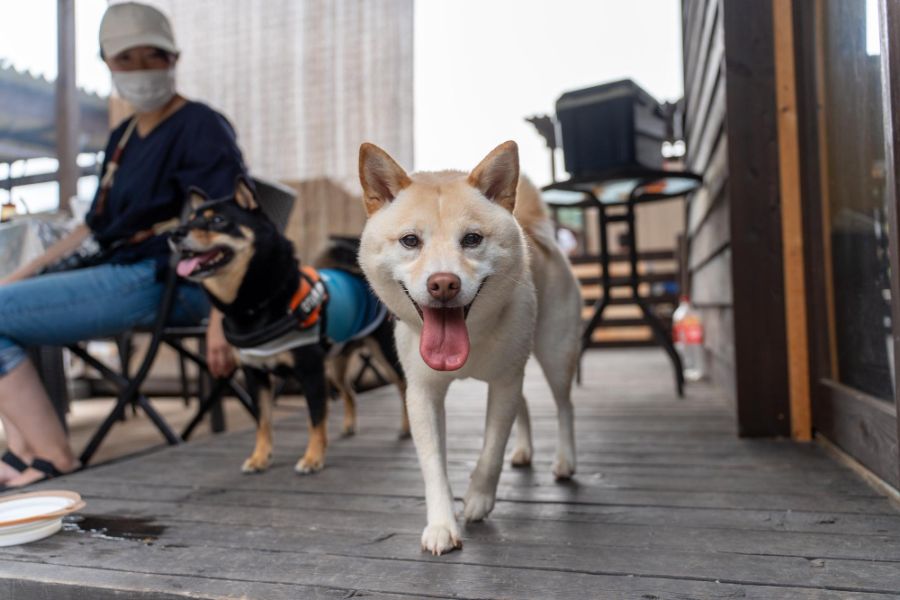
{"x": 110, "y": 527}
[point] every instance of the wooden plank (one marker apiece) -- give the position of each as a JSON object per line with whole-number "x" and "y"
{"x": 758, "y": 281}
{"x": 712, "y": 282}
{"x": 714, "y": 179}
{"x": 654, "y": 277}
{"x": 700, "y": 59}
{"x": 712, "y": 238}
{"x": 715, "y": 119}
{"x": 718, "y": 329}
{"x": 791, "y": 222}
{"x": 821, "y": 188}
{"x": 394, "y": 541}
{"x": 862, "y": 426}
{"x": 403, "y": 480}
{"x": 661, "y": 299}
{"x": 668, "y": 502}
{"x": 40, "y": 581}
{"x": 690, "y": 27}
{"x": 469, "y": 574}
{"x": 165, "y": 502}
{"x": 704, "y": 126}
{"x": 889, "y": 19}
{"x": 619, "y": 257}
{"x": 520, "y": 526}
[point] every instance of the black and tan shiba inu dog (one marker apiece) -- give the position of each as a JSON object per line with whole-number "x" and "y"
{"x": 283, "y": 319}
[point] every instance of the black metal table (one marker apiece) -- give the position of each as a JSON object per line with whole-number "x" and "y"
{"x": 624, "y": 188}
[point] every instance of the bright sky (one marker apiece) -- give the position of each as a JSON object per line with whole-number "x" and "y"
{"x": 481, "y": 66}
{"x": 28, "y": 40}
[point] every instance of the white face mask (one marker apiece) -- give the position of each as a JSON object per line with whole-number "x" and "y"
{"x": 145, "y": 90}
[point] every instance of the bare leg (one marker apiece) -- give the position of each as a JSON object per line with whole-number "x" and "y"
{"x": 24, "y": 404}
{"x": 16, "y": 444}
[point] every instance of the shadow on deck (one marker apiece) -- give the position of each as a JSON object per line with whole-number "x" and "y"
{"x": 667, "y": 503}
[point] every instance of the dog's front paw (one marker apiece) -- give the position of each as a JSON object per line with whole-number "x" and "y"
{"x": 348, "y": 429}
{"x": 521, "y": 457}
{"x": 477, "y": 505}
{"x": 256, "y": 463}
{"x": 563, "y": 468}
{"x": 310, "y": 464}
{"x": 441, "y": 538}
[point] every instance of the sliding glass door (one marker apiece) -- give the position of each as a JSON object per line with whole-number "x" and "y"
{"x": 851, "y": 225}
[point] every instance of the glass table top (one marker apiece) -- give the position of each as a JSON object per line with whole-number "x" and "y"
{"x": 639, "y": 187}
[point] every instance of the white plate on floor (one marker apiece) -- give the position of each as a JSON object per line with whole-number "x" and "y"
{"x": 35, "y": 515}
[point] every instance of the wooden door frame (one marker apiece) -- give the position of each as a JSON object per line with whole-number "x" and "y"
{"x": 760, "y": 330}
{"x": 861, "y": 425}
{"x": 889, "y": 19}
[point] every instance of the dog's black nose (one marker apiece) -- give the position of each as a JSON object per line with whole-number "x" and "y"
{"x": 443, "y": 286}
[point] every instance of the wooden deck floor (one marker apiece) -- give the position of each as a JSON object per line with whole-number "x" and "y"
{"x": 667, "y": 503}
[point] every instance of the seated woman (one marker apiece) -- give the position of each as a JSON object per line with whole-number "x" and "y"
{"x": 170, "y": 145}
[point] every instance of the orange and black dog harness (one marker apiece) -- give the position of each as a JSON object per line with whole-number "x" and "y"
{"x": 309, "y": 298}
{"x": 305, "y": 311}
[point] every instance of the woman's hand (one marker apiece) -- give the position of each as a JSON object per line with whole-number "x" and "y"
{"x": 219, "y": 353}
{"x": 65, "y": 246}
{"x": 11, "y": 278}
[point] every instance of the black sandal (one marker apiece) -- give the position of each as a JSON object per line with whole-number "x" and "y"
{"x": 47, "y": 468}
{"x": 38, "y": 464}
{"x": 12, "y": 459}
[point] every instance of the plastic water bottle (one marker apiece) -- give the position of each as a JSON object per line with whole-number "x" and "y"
{"x": 687, "y": 334}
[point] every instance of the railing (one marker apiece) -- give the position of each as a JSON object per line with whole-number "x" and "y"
{"x": 623, "y": 324}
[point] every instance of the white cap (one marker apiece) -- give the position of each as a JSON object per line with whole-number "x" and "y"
{"x": 130, "y": 24}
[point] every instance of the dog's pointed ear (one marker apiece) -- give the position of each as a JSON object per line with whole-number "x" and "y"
{"x": 244, "y": 194}
{"x": 381, "y": 177}
{"x": 196, "y": 197}
{"x": 497, "y": 176}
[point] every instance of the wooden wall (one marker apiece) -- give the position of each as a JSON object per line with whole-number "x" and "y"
{"x": 735, "y": 261}
{"x": 323, "y": 208}
{"x": 709, "y": 210}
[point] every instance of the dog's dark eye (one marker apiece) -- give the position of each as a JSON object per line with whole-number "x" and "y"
{"x": 410, "y": 241}
{"x": 217, "y": 220}
{"x": 471, "y": 240}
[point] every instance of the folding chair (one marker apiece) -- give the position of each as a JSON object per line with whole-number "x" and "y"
{"x": 276, "y": 201}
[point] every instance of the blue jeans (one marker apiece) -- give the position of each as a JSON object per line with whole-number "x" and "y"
{"x": 95, "y": 302}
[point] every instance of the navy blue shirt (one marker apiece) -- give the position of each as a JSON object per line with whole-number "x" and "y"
{"x": 194, "y": 147}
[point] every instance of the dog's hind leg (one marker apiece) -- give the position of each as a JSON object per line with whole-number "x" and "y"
{"x": 261, "y": 389}
{"x": 504, "y": 400}
{"x": 309, "y": 368}
{"x": 558, "y": 362}
{"x": 523, "y": 452}
{"x": 336, "y": 368}
{"x": 385, "y": 352}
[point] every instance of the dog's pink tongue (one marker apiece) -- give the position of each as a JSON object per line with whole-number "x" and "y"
{"x": 186, "y": 266}
{"x": 444, "y": 344}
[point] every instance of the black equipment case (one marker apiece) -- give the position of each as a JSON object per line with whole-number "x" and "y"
{"x": 610, "y": 126}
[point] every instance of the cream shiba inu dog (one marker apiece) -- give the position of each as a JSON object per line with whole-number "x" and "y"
{"x": 469, "y": 265}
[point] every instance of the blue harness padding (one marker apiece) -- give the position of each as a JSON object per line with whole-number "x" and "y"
{"x": 353, "y": 310}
